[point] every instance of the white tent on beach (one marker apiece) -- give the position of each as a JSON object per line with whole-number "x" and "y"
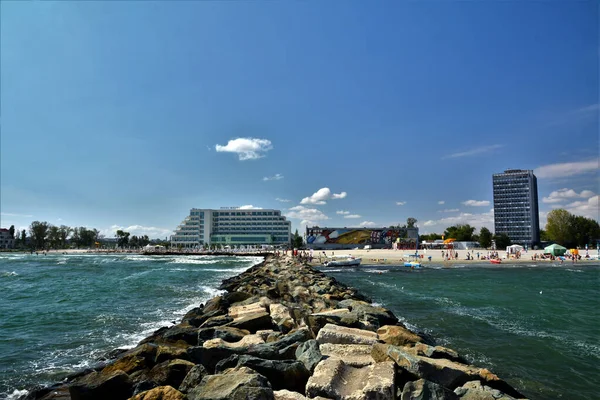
{"x": 514, "y": 249}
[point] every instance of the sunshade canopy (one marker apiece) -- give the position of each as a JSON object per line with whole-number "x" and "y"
{"x": 555, "y": 250}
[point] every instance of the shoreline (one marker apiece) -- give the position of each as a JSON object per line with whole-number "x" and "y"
{"x": 289, "y": 332}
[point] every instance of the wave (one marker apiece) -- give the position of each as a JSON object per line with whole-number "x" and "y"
{"x": 17, "y": 394}
{"x": 8, "y": 273}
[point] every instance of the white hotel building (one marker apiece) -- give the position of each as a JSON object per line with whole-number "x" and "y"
{"x": 232, "y": 226}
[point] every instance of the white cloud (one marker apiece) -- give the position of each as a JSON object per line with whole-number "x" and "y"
{"x": 477, "y": 220}
{"x": 5, "y": 214}
{"x": 477, "y": 150}
{"x": 308, "y": 215}
{"x": 589, "y": 208}
{"x": 400, "y": 203}
{"x": 342, "y": 212}
{"x": 563, "y": 194}
{"x": 249, "y": 207}
{"x": 138, "y": 230}
{"x": 441, "y": 202}
{"x": 448, "y": 210}
{"x": 476, "y": 203}
{"x": 321, "y": 195}
{"x": 275, "y": 177}
{"x": 282, "y": 200}
{"x": 562, "y": 170}
{"x": 352, "y": 216}
{"x": 246, "y": 148}
{"x": 367, "y": 224}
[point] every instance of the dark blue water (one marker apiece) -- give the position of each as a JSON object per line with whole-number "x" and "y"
{"x": 538, "y": 327}
{"x": 59, "y": 313}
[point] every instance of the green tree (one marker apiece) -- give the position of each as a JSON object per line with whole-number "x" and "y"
{"x": 296, "y": 240}
{"x": 502, "y": 241}
{"x": 39, "y": 233}
{"x": 410, "y": 222}
{"x": 11, "y": 230}
{"x": 544, "y": 236}
{"x": 585, "y": 231}
{"x": 134, "y": 242}
{"x": 143, "y": 240}
{"x": 430, "y": 237}
{"x": 460, "y": 232}
{"x": 63, "y": 234}
{"x": 23, "y": 238}
{"x": 485, "y": 238}
{"x": 54, "y": 237}
{"x": 559, "y": 226}
{"x": 122, "y": 238}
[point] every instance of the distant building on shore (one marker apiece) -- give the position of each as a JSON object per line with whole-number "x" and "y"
{"x": 516, "y": 206}
{"x": 324, "y": 238}
{"x": 6, "y": 239}
{"x": 229, "y": 226}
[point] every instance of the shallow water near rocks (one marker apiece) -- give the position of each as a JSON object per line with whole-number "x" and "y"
{"x": 60, "y": 313}
{"x": 536, "y": 326}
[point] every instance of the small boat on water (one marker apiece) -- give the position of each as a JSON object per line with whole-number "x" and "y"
{"x": 495, "y": 261}
{"x": 342, "y": 261}
{"x": 410, "y": 263}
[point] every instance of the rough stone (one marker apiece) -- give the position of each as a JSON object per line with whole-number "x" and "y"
{"x": 226, "y": 333}
{"x": 170, "y": 373}
{"x": 474, "y": 390}
{"x": 287, "y": 395}
{"x": 160, "y": 393}
{"x": 375, "y": 316}
{"x": 237, "y": 384}
{"x": 343, "y": 335}
{"x": 171, "y": 352}
{"x": 397, "y": 335}
{"x": 308, "y": 353}
{"x": 334, "y": 379}
{"x": 356, "y": 355}
{"x": 426, "y": 390}
{"x": 447, "y": 373}
{"x": 244, "y": 342}
{"x": 215, "y": 321}
{"x": 254, "y": 322}
{"x": 193, "y": 378}
{"x": 280, "y": 314}
{"x": 236, "y": 312}
{"x": 282, "y": 374}
{"x": 99, "y": 386}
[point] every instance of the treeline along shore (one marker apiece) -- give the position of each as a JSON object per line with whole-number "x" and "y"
{"x": 283, "y": 330}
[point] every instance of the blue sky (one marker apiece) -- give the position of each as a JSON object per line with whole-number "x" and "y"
{"x": 128, "y": 114}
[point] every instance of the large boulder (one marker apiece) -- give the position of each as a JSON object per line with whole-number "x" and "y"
{"x": 334, "y": 379}
{"x": 374, "y": 316}
{"x": 193, "y": 378}
{"x": 474, "y": 390}
{"x": 343, "y": 335}
{"x": 282, "y": 374}
{"x": 308, "y": 353}
{"x": 101, "y": 386}
{"x": 170, "y": 373}
{"x": 243, "y": 342}
{"x": 240, "y": 311}
{"x": 226, "y": 333}
{"x": 160, "y": 393}
{"x": 426, "y": 390}
{"x": 356, "y": 355}
{"x": 253, "y": 322}
{"x": 447, "y": 373}
{"x": 237, "y": 384}
{"x": 398, "y": 335}
{"x": 288, "y": 395}
{"x": 138, "y": 358}
{"x": 280, "y": 314}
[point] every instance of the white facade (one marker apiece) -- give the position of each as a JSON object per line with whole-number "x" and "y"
{"x": 232, "y": 226}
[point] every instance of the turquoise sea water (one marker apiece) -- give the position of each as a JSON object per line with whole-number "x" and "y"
{"x": 59, "y": 313}
{"x": 536, "y": 326}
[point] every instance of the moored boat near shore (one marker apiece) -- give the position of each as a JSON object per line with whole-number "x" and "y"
{"x": 343, "y": 261}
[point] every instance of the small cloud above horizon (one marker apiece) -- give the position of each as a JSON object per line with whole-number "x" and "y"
{"x": 321, "y": 195}
{"x": 476, "y": 203}
{"x": 275, "y": 177}
{"x": 448, "y": 210}
{"x": 282, "y": 200}
{"x": 472, "y": 152}
{"x": 562, "y": 170}
{"x": 352, "y": 216}
{"x": 342, "y": 212}
{"x": 400, "y": 203}
{"x": 441, "y": 202}
{"x": 249, "y": 207}
{"x": 246, "y": 148}
{"x": 564, "y": 194}
{"x": 367, "y": 224}
{"x": 308, "y": 216}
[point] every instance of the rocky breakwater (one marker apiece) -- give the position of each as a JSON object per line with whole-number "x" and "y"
{"x": 284, "y": 331}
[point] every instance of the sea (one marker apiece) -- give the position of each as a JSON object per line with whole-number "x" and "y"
{"x": 537, "y": 326}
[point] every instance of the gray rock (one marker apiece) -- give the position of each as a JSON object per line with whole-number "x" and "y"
{"x": 226, "y": 333}
{"x": 254, "y": 322}
{"x": 99, "y": 386}
{"x": 218, "y": 320}
{"x": 426, "y": 390}
{"x": 170, "y": 373}
{"x": 282, "y": 374}
{"x": 193, "y": 378}
{"x": 343, "y": 335}
{"x": 236, "y": 384}
{"x": 308, "y": 353}
{"x": 474, "y": 390}
{"x": 334, "y": 379}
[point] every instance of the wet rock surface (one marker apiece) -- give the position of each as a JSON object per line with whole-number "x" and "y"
{"x": 284, "y": 331}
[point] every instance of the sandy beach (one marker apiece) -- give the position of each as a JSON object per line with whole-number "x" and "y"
{"x": 381, "y": 256}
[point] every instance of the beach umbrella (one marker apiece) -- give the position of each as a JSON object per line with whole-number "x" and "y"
{"x": 555, "y": 250}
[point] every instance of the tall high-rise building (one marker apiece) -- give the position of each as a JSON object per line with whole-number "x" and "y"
{"x": 516, "y": 206}
{"x": 232, "y": 226}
